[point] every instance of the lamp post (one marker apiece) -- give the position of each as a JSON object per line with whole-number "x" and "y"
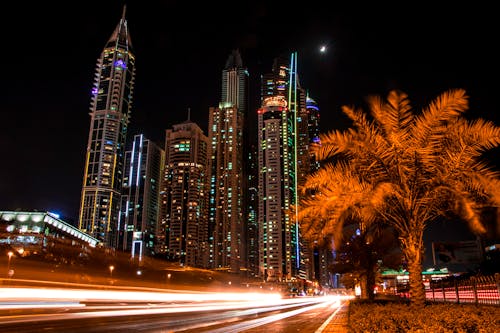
{"x": 10, "y": 254}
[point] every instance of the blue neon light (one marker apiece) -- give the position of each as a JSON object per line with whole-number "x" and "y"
{"x": 120, "y": 63}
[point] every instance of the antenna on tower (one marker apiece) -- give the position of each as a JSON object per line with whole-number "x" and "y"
{"x": 124, "y": 10}
{"x": 189, "y": 114}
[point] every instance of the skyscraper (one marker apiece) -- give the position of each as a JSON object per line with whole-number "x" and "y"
{"x": 283, "y": 161}
{"x": 225, "y": 132}
{"x": 235, "y": 82}
{"x": 277, "y": 256}
{"x": 109, "y": 112}
{"x": 251, "y": 206}
{"x": 321, "y": 257}
{"x": 143, "y": 172}
{"x": 313, "y": 122}
{"x": 184, "y": 220}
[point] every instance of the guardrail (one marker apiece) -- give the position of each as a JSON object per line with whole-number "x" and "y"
{"x": 472, "y": 290}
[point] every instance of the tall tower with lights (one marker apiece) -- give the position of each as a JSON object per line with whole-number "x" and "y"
{"x": 184, "y": 221}
{"x": 109, "y": 117}
{"x": 143, "y": 172}
{"x": 282, "y": 148}
{"x": 225, "y": 132}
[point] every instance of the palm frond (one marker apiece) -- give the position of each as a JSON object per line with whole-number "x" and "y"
{"x": 444, "y": 109}
{"x": 358, "y": 117}
{"x": 469, "y": 212}
{"x": 394, "y": 116}
{"x": 483, "y": 186}
{"x": 481, "y": 135}
{"x": 330, "y": 144}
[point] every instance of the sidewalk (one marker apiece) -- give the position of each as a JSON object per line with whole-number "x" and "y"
{"x": 338, "y": 322}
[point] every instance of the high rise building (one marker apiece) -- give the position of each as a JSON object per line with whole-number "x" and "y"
{"x": 225, "y": 132}
{"x": 322, "y": 257}
{"x": 252, "y": 201}
{"x": 110, "y": 111}
{"x": 184, "y": 217}
{"x": 303, "y": 167}
{"x": 143, "y": 172}
{"x": 235, "y": 82}
{"x": 283, "y": 163}
{"x": 313, "y": 122}
{"x": 277, "y": 240}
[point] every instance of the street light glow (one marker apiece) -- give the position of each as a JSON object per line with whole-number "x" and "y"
{"x": 111, "y": 267}
{"x": 10, "y": 254}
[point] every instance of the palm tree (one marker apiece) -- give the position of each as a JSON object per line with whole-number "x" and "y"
{"x": 405, "y": 169}
{"x": 363, "y": 252}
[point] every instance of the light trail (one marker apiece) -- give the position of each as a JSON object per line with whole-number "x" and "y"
{"x": 191, "y": 310}
{"x": 269, "y": 319}
{"x": 39, "y": 304}
{"x": 116, "y": 295}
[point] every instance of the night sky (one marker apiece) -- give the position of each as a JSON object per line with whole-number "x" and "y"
{"x": 49, "y": 54}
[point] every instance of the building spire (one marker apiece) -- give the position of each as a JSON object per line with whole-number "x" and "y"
{"x": 120, "y": 36}
{"x": 124, "y": 11}
{"x": 234, "y": 60}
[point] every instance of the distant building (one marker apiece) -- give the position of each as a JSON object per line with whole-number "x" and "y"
{"x": 465, "y": 252}
{"x": 31, "y": 233}
{"x": 143, "y": 172}
{"x": 109, "y": 112}
{"x": 184, "y": 206}
{"x": 225, "y": 133}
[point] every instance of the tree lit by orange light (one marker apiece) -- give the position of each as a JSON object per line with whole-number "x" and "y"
{"x": 405, "y": 168}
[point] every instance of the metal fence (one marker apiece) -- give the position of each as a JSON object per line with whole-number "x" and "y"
{"x": 474, "y": 290}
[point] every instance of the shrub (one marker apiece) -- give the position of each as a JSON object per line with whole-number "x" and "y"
{"x": 365, "y": 317}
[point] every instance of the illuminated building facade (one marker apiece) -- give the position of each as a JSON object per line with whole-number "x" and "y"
{"x": 277, "y": 240}
{"x": 33, "y": 232}
{"x": 322, "y": 257}
{"x": 313, "y": 120}
{"x": 303, "y": 167}
{"x": 184, "y": 220}
{"x": 251, "y": 205}
{"x": 225, "y": 132}
{"x": 283, "y": 163}
{"x": 110, "y": 113}
{"x": 143, "y": 171}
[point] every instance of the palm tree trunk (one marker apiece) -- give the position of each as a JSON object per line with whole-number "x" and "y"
{"x": 370, "y": 282}
{"x": 413, "y": 249}
{"x": 363, "y": 286}
{"x": 417, "y": 289}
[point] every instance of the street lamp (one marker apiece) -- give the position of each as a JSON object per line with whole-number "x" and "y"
{"x": 10, "y": 254}
{"x": 111, "y": 267}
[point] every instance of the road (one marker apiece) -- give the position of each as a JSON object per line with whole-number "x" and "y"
{"x": 33, "y": 309}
